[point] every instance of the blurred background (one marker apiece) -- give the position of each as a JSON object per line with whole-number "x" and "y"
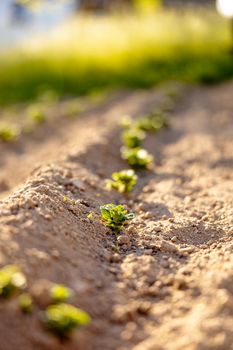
{"x": 80, "y": 47}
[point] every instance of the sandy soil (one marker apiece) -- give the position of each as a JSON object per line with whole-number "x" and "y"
{"x": 170, "y": 285}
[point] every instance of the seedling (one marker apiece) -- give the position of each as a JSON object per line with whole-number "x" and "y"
{"x": 115, "y": 216}
{"x": 62, "y": 319}
{"x": 133, "y": 137}
{"x": 126, "y": 122}
{"x": 153, "y": 122}
{"x": 60, "y": 293}
{"x": 123, "y": 181}
{"x": 138, "y": 158}
{"x": 8, "y": 133}
{"x": 11, "y": 280}
{"x": 36, "y": 115}
{"x": 25, "y": 303}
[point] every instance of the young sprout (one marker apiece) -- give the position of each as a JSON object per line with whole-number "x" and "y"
{"x": 11, "y": 280}
{"x": 8, "y": 133}
{"x": 115, "y": 216}
{"x": 153, "y": 122}
{"x": 62, "y": 319}
{"x": 126, "y": 122}
{"x": 138, "y": 158}
{"x": 60, "y": 293}
{"x": 25, "y": 303}
{"x": 133, "y": 137}
{"x": 36, "y": 114}
{"x": 123, "y": 181}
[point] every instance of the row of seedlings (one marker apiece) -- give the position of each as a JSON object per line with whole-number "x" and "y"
{"x": 57, "y": 316}
{"x": 133, "y": 134}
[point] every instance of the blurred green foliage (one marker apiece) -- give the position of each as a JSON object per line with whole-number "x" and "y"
{"x": 63, "y": 318}
{"x": 123, "y": 181}
{"x": 119, "y": 51}
{"x": 60, "y": 293}
{"x": 11, "y": 280}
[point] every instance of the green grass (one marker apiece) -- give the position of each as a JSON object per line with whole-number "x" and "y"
{"x": 119, "y": 51}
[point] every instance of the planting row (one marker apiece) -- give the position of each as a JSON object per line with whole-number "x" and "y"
{"x": 57, "y": 315}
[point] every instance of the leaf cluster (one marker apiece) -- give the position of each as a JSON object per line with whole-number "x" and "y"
{"x": 138, "y": 158}
{"x": 123, "y": 181}
{"x": 8, "y": 133}
{"x": 115, "y": 216}
{"x": 133, "y": 137}
{"x": 154, "y": 122}
{"x": 63, "y": 318}
{"x": 11, "y": 280}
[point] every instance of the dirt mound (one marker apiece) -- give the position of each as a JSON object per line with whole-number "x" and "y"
{"x": 169, "y": 286}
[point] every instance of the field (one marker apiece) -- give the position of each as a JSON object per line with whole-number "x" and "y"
{"x": 131, "y": 51}
{"x": 105, "y": 258}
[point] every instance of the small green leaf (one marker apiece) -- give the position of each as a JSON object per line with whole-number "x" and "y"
{"x": 133, "y": 137}
{"x": 11, "y": 280}
{"x": 8, "y": 133}
{"x": 130, "y": 216}
{"x": 117, "y": 215}
{"x": 138, "y": 158}
{"x": 62, "y": 319}
{"x": 60, "y": 293}
{"x": 123, "y": 181}
{"x": 25, "y": 303}
{"x": 90, "y": 216}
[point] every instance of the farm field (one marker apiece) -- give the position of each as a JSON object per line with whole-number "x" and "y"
{"x": 116, "y": 156}
{"x": 165, "y": 281}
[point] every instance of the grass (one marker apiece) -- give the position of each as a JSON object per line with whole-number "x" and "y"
{"x": 119, "y": 51}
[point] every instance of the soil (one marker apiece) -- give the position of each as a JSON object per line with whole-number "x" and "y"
{"x": 167, "y": 282}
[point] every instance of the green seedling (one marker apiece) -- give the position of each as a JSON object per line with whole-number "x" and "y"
{"x": 138, "y": 158}
{"x": 123, "y": 181}
{"x": 25, "y": 303}
{"x": 36, "y": 115}
{"x": 8, "y": 133}
{"x": 11, "y": 280}
{"x": 133, "y": 137}
{"x": 126, "y": 122}
{"x": 60, "y": 293}
{"x": 115, "y": 216}
{"x": 90, "y": 216}
{"x": 62, "y": 319}
{"x": 153, "y": 122}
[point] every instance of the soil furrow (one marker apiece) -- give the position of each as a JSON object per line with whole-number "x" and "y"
{"x": 169, "y": 286}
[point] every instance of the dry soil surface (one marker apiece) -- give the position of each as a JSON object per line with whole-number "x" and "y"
{"x": 166, "y": 282}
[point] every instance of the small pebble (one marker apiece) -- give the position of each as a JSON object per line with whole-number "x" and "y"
{"x": 148, "y": 251}
{"x": 168, "y": 247}
{"x": 116, "y": 258}
{"x": 148, "y": 215}
{"x": 123, "y": 239}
